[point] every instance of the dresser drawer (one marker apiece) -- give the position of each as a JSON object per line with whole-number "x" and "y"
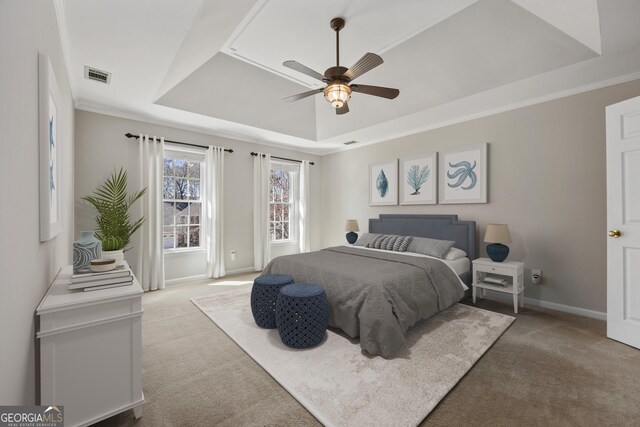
{"x": 83, "y": 316}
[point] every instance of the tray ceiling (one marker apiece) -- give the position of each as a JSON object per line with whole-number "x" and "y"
{"x": 216, "y": 66}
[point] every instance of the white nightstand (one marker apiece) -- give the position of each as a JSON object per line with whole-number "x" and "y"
{"x": 483, "y": 267}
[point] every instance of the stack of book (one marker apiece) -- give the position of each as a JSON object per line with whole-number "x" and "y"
{"x": 498, "y": 281}
{"x": 94, "y": 281}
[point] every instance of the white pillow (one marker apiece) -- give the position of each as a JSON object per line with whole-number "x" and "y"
{"x": 455, "y": 253}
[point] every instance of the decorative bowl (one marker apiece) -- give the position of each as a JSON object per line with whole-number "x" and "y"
{"x": 102, "y": 264}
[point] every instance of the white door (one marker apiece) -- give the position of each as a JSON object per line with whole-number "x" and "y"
{"x": 623, "y": 221}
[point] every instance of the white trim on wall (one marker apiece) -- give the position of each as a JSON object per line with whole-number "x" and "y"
{"x": 204, "y": 276}
{"x": 240, "y": 271}
{"x": 185, "y": 279}
{"x": 490, "y": 112}
{"x": 64, "y": 41}
{"x": 552, "y": 306}
{"x": 92, "y": 107}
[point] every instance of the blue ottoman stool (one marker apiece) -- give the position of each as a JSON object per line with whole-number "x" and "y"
{"x": 302, "y": 315}
{"x": 264, "y": 295}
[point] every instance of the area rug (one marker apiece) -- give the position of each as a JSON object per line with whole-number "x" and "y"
{"x": 340, "y": 385}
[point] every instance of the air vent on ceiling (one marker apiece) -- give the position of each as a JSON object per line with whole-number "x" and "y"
{"x": 91, "y": 73}
{"x": 350, "y": 142}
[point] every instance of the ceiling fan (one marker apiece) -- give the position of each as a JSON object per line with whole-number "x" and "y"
{"x": 338, "y": 79}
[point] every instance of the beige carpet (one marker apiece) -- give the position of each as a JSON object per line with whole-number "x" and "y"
{"x": 340, "y": 385}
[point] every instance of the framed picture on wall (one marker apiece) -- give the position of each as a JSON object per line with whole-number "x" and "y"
{"x": 50, "y": 148}
{"x": 383, "y": 183}
{"x": 418, "y": 180}
{"x": 463, "y": 175}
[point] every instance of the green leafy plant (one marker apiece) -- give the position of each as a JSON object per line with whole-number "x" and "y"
{"x": 110, "y": 199}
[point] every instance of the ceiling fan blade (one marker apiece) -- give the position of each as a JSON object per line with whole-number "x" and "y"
{"x": 367, "y": 63}
{"x": 294, "y": 65}
{"x": 384, "y": 92}
{"x": 302, "y": 95}
{"x": 343, "y": 110}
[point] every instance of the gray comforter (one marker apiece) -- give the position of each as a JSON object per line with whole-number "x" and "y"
{"x": 376, "y": 296}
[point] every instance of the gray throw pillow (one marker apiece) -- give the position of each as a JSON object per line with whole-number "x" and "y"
{"x": 382, "y": 243}
{"x": 379, "y": 241}
{"x": 375, "y": 240}
{"x": 391, "y": 242}
{"x": 402, "y": 243}
{"x": 364, "y": 239}
{"x": 432, "y": 247}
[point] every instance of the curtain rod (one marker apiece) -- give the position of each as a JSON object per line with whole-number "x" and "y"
{"x": 130, "y": 135}
{"x": 282, "y": 158}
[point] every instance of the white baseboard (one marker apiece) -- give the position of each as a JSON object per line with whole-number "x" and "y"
{"x": 552, "y": 306}
{"x": 185, "y": 279}
{"x": 241, "y": 271}
{"x": 204, "y": 276}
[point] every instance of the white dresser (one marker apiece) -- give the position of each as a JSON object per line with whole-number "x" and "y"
{"x": 90, "y": 350}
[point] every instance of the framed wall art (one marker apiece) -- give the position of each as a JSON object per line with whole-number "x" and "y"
{"x": 383, "y": 183}
{"x": 418, "y": 180}
{"x": 50, "y": 146}
{"x": 463, "y": 175}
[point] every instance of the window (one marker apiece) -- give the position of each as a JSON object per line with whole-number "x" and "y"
{"x": 182, "y": 202}
{"x": 282, "y": 196}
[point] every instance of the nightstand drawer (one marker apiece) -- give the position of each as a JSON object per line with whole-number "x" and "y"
{"x": 497, "y": 270}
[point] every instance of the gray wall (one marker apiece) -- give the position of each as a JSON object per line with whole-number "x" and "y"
{"x": 102, "y": 147}
{"x": 27, "y": 266}
{"x": 546, "y": 180}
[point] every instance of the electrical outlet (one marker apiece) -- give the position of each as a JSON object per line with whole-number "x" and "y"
{"x": 536, "y": 276}
{"x": 233, "y": 255}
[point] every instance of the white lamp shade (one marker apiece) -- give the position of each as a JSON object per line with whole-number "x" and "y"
{"x": 351, "y": 225}
{"x": 497, "y": 233}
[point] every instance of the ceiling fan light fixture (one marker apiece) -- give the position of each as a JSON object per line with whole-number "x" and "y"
{"x": 337, "y": 94}
{"x": 338, "y": 78}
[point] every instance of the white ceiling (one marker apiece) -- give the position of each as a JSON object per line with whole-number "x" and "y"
{"x": 215, "y": 66}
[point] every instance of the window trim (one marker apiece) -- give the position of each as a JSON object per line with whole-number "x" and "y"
{"x": 176, "y": 153}
{"x": 294, "y": 210}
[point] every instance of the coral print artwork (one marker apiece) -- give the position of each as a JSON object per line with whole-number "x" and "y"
{"x": 418, "y": 179}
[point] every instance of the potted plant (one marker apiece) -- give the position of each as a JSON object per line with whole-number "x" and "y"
{"x": 115, "y": 227}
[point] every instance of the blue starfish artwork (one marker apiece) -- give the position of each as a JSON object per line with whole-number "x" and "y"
{"x": 464, "y": 170}
{"x": 52, "y": 183}
{"x": 51, "y": 141}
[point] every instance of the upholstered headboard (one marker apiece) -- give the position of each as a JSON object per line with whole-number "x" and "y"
{"x": 443, "y": 227}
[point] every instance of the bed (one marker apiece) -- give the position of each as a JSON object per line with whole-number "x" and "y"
{"x": 378, "y": 295}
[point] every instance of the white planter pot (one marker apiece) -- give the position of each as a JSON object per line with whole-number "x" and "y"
{"x": 117, "y": 255}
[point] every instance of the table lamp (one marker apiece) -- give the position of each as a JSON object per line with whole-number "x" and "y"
{"x": 351, "y": 227}
{"x": 497, "y": 235}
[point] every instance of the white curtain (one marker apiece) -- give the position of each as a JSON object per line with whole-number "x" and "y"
{"x": 261, "y": 238}
{"x": 304, "y": 207}
{"x": 214, "y": 178}
{"x": 150, "y": 255}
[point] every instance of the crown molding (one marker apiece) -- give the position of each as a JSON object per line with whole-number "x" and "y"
{"x": 58, "y": 5}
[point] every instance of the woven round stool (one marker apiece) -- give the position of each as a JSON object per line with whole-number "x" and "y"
{"x": 264, "y": 295}
{"x": 302, "y": 315}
